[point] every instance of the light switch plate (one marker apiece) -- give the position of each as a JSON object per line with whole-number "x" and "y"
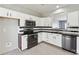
{"x": 4, "y": 30}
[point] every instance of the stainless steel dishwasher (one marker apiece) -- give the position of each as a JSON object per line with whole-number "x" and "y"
{"x": 69, "y": 43}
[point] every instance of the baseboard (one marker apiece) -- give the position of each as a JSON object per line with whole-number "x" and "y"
{"x": 41, "y": 42}
{"x": 7, "y": 51}
{"x": 50, "y": 44}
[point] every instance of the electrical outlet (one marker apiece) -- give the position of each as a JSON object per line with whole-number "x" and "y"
{"x": 8, "y": 44}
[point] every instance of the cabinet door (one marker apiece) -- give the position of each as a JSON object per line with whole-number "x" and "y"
{"x": 45, "y": 36}
{"x": 24, "y": 42}
{"x": 55, "y": 39}
{"x": 58, "y": 40}
{"x": 3, "y": 12}
{"x": 50, "y": 38}
{"x": 9, "y": 13}
{"x": 73, "y": 19}
{"x": 78, "y": 45}
{"x": 46, "y": 22}
{"x": 13, "y": 14}
{"x": 40, "y": 37}
{"x": 39, "y": 22}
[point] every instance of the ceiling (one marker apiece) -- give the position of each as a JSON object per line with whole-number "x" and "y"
{"x": 40, "y": 10}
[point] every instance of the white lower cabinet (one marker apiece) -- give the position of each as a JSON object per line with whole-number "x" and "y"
{"x": 78, "y": 45}
{"x": 40, "y": 37}
{"x": 58, "y": 40}
{"x": 53, "y": 38}
{"x": 45, "y": 36}
{"x": 24, "y": 42}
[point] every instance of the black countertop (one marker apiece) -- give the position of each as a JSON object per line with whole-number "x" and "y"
{"x": 58, "y": 31}
{"x": 36, "y": 27}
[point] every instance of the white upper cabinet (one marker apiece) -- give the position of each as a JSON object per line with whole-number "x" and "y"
{"x": 14, "y": 14}
{"x": 8, "y": 13}
{"x": 3, "y": 12}
{"x": 73, "y": 19}
{"x": 24, "y": 17}
{"x": 61, "y": 16}
{"x": 58, "y": 17}
{"x": 39, "y": 22}
{"x": 44, "y": 22}
{"x": 47, "y": 22}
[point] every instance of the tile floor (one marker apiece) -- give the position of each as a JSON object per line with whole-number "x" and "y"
{"x": 40, "y": 49}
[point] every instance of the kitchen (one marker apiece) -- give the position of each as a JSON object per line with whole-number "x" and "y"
{"x": 59, "y": 28}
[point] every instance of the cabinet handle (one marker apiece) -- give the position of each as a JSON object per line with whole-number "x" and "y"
{"x": 7, "y": 14}
{"x": 68, "y": 24}
{"x": 10, "y": 14}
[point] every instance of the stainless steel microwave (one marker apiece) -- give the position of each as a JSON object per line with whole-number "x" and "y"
{"x": 29, "y": 23}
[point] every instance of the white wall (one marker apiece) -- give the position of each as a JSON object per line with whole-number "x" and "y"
{"x": 8, "y": 35}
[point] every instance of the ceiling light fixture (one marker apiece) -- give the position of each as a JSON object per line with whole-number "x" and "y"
{"x": 43, "y": 4}
{"x": 58, "y": 11}
{"x": 57, "y": 6}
